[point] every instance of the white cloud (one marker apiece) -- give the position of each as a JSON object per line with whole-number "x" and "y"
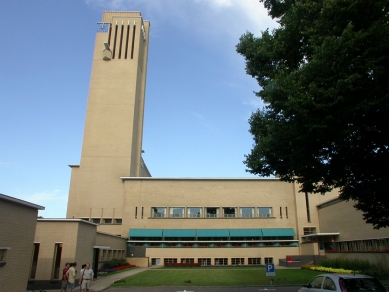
{"x": 47, "y": 196}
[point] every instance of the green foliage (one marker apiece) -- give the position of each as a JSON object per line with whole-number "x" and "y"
{"x": 114, "y": 263}
{"x": 324, "y": 74}
{"x": 379, "y": 269}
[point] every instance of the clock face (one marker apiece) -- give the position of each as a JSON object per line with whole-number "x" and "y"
{"x": 102, "y": 27}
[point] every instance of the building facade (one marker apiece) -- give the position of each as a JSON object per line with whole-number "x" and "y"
{"x": 17, "y": 231}
{"x": 210, "y": 221}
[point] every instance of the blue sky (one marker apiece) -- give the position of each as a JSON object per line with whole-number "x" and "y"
{"x": 198, "y": 97}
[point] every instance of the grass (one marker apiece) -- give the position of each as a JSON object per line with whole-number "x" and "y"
{"x": 216, "y": 277}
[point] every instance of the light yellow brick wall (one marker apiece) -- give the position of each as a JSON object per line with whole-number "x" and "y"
{"x": 345, "y": 219}
{"x": 77, "y": 238}
{"x": 17, "y": 230}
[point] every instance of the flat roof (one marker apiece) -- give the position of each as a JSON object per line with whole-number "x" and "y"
{"x": 201, "y": 178}
{"x": 65, "y": 220}
{"x": 321, "y": 234}
{"x": 20, "y": 202}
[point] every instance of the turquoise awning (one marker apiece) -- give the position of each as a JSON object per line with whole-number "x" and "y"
{"x": 145, "y": 233}
{"x": 212, "y": 233}
{"x": 245, "y": 233}
{"x": 179, "y": 233}
{"x": 278, "y": 232}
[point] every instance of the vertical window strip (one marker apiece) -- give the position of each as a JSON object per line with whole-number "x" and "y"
{"x": 133, "y": 41}
{"x": 286, "y": 211}
{"x": 121, "y": 41}
{"x": 114, "y": 41}
{"x": 127, "y": 36}
{"x": 307, "y": 206}
{"x": 109, "y": 34}
{"x": 136, "y": 212}
{"x": 142, "y": 212}
{"x": 281, "y": 212}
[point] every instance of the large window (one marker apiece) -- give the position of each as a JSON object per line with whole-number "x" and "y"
{"x": 237, "y": 261}
{"x": 309, "y": 230}
{"x": 229, "y": 212}
{"x": 176, "y": 212}
{"x": 212, "y": 212}
{"x": 268, "y": 260}
{"x": 254, "y": 261}
{"x": 246, "y": 212}
{"x": 34, "y": 261}
{"x": 57, "y": 260}
{"x": 204, "y": 262}
{"x": 264, "y": 211}
{"x": 221, "y": 262}
{"x": 159, "y": 212}
{"x": 169, "y": 261}
{"x": 187, "y": 261}
{"x": 194, "y": 212}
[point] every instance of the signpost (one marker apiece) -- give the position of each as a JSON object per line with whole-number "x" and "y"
{"x": 270, "y": 272}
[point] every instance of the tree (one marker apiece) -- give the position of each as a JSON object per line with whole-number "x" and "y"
{"x": 324, "y": 76}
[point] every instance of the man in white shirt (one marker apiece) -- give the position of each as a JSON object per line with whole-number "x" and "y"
{"x": 87, "y": 278}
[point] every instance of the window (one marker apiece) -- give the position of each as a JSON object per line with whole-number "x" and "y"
{"x": 204, "y": 262}
{"x": 155, "y": 261}
{"x": 3, "y": 253}
{"x": 57, "y": 260}
{"x": 212, "y": 212}
{"x": 264, "y": 212}
{"x": 187, "y": 261}
{"x": 159, "y": 212}
{"x": 316, "y": 282}
{"x": 268, "y": 260}
{"x": 118, "y": 221}
{"x": 176, "y": 212}
{"x": 246, "y": 212}
{"x": 96, "y": 220}
{"x": 229, "y": 212}
{"x": 194, "y": 212}
{"x": 221, "y": 262}
{"x": 85, "y": 219}
{"x": 309, "y": 230}
{"x": 254, "y": 261}
{"x": 237, "y": 261}
{"x": 328, "y": 284}
{"x": 107, "y": 221}
{"x": 169, "y": 261}
{"x": 34, "y": 261}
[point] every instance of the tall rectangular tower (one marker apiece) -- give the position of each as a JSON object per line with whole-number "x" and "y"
{"x": 112, "y": 144}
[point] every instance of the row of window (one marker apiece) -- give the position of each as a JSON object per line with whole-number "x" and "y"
{"x": 104, "y": 220}
{"x": 214, "y": 244}
{"x": 109, "y": 254}
{"x": 211, "y": 212}
{"x": 381, "y": 244}
{"x": 214, "y": 261}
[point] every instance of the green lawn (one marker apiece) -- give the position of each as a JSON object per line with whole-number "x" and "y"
{"x": 217, "y": 277}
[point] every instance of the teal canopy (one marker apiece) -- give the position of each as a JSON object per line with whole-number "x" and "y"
{"x": 179, "y": 233}
{"x": 272, "y": 232}
{"x": 245, "y": 233}
{"x": 145, "y": 233}
{"x": 212, "y": 233}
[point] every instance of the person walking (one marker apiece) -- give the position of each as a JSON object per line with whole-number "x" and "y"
{"x": 71, "y": 274}
{"x": 64, "y": 283}
{"x": 87, "y": 278}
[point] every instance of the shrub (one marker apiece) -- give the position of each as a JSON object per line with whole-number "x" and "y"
{"x": 378, "y": 270}
{"x": 114, "y": 263}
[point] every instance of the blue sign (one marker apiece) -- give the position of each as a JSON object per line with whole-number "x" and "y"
{"x": 270, "y": 270}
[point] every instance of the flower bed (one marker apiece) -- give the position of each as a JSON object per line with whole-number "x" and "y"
{"x": 327, "y": 270}
{"x": 110, "y": 270}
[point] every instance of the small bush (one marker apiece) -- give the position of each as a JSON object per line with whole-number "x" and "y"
{"x": 114, "y": 263}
